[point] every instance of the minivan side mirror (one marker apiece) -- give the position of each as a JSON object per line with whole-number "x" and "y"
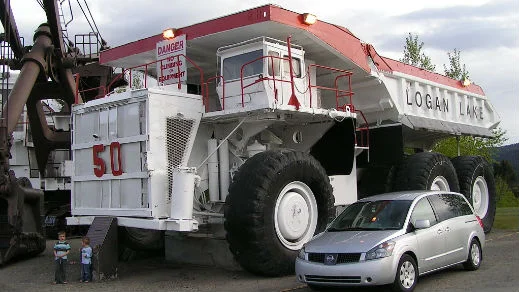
{"x": 422, "y": 224}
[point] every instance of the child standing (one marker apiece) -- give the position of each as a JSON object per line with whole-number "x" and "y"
{"x": 61, "y": 250}
{"x": 86, "y": 260}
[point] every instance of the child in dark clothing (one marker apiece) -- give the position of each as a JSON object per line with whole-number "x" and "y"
{"x": 61, "y": 250}
{"x": 86, "y": 260}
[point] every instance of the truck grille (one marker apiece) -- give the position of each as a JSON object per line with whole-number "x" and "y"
{"x": 333, "y": 279}
{"x": 342, "y": 258}
{"x": 178, "y": 132}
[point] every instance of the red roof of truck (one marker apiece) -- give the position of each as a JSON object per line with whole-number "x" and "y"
{"x": 338, "y": 37}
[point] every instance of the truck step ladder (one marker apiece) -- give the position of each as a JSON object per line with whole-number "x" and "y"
{"x": 103, "y": 240}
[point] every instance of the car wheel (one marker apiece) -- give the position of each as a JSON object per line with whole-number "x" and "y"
{"x": 427, "y": 171}
{"x": 406, "y": 274}
{"x": 277, "y": 201}
{"x": 475, "y": 256}
{"x": 478, "y": 186}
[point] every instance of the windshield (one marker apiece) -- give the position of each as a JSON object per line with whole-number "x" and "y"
{"x": 376, "y": 215}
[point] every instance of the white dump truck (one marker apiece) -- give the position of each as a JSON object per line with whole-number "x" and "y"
{"x": 251, "y": 128}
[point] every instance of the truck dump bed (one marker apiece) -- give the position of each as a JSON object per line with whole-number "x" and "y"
{"x": 430, "y": 105}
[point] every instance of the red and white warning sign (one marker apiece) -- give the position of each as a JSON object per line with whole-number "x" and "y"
{"x": 172, "y": 68}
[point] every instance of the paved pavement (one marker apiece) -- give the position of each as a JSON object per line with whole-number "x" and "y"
{"x": 499, "y": 272}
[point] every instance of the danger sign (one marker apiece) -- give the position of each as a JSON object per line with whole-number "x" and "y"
{"x": 171, "y": 65}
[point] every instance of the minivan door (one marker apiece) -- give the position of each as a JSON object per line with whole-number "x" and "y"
{"x": 430, "y": 241}
{"x": 447, "y": 206}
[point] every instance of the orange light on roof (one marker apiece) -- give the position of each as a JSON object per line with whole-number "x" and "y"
{"x": 466, "y": 82}
{"x": 168, "y": 33}
{"x": 309, "y": 18}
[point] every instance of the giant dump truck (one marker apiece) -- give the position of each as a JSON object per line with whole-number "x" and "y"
{"x": 261, "y": 123}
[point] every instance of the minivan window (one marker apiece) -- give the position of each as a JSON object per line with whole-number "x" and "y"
{"x": 448, "y": 206}
{"x": 375, "y": 215}
{"x": 462, "y": 208}
{"x": 423, "y": 211}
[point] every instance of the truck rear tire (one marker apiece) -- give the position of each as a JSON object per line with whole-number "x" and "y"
{"x": 427, "y": 171}
{"x": 277, "y": 201}
{"x": 478, "y": 186}
{"x": 141, "y": 239}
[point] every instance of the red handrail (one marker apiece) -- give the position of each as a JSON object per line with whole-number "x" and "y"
{"x": 145, "y": 66}
{"x": 364, "y": 129}
{"x": 273, "y": 78}
{"x": 76, "y": 98}
{"x": 338, "y": 92}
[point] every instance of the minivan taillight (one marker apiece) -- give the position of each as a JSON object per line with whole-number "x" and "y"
{"x": 480, "y": 222}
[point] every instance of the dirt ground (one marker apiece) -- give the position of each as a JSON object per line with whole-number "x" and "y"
{"x": 497, "y": 273}
{"x": 144, "y": 274}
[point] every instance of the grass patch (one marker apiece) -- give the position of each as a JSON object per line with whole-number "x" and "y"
{"x": 507, "y": 218}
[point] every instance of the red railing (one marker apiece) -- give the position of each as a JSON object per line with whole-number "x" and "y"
{"x": 363, "y": 132}
{"x": 262, "y": 78}
{"x": 339, "y": 93}
{"x": 129, "y": 71}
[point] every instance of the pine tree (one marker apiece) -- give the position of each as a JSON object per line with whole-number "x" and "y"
{"x": 413, "y": 54}
{"x": 456, "y": 70}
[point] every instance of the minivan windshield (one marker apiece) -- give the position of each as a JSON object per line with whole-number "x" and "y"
{"x": 372, "y": 215}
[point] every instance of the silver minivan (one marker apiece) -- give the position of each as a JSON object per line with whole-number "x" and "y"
{"x": 392, "y": 239}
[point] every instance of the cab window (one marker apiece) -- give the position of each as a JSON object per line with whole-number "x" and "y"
{"x": 423, "y": 211}
{"x": 273, "y": 64}
{"x": 296, "y": 63}
{"x": 232, "y": 65}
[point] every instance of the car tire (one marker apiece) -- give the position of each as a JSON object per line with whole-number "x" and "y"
{"x": 478, "y": 186}
{"x": 406, "y": 274}
{"x": 258, "y": 197}
{"x": 427, "y": 171}
{"x": 475, "y": 256}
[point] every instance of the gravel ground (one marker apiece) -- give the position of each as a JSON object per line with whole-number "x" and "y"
{"x": 497, "y": 273}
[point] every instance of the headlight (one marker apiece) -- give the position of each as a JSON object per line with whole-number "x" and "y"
{"x": 381, "y": 251}
{"x": 302, "y": 254}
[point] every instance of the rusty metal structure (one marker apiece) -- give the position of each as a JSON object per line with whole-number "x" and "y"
{"x": 52, "y": 68}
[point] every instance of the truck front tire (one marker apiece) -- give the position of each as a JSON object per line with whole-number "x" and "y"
{"x": 277, "y": 201}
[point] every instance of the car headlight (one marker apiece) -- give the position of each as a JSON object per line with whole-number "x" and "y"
{"x": 302, "y": 254}
{"x": 381, "y": 251}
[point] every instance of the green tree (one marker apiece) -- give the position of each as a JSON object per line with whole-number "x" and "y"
{"x": 504, "y": 195}
{"x": 472, "y": 145}
{"x": 455, "y": 70}
{"x": 413, "y": 54}
{"x": 505, "y": 170}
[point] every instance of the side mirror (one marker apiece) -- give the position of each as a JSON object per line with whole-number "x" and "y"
{"x": 422, "y": 224}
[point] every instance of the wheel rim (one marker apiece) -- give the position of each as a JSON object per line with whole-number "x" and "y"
{"x": 474, "y": 254}
{"x": 480, "y": 196}
{"x": 440, "y": 183}
{"x": 407, "y": 274}
{"x": 295, "y": 215}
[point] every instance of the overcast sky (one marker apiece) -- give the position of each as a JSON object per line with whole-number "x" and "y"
{"x": 487, "y": 32}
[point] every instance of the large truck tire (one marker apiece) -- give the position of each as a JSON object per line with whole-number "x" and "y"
{"x": 427, "y": 171}
{"x": 478, "y": 186}
{"x": 141, "y": 239}
{"x": 277, "y": 201}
